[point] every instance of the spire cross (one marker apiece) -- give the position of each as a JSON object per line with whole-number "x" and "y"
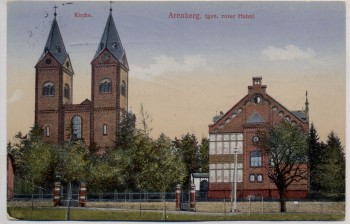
{"x": 55, "y": 14}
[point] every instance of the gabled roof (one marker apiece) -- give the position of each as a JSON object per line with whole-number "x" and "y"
{"x": 110, "y": 40}
{"x": 54, "y": 44}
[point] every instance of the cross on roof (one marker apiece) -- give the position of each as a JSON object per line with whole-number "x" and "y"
{"x": 55, "y": 10}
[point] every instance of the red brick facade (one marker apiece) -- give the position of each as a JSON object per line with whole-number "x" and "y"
{"x": 235, "y": 130}
{"x": 94, "y": 121}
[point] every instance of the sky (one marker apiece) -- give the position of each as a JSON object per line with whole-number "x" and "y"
{"x": 183, "y": 70}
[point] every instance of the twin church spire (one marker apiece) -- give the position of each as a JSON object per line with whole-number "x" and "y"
{"x": 110, "y": 41}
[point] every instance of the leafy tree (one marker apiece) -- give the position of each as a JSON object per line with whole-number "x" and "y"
{"x": 286, "y": 147}
{"x": 41, "y": 160}
{"x": 126, "y": 131}
{"x": 187, "y": 149}
{"x": 73, "y": 162}
{"x": 204, "y": 155}
{"x": 20, "y": 147}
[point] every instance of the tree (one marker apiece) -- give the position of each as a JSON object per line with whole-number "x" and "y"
{"x": 330, "y": 175}
{"x": 286, "y": 147}
{"x": 187, "y": 149}
{"x": 204, "y": 155}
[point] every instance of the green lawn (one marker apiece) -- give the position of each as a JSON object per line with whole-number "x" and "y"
{"x": 105, "y": 215}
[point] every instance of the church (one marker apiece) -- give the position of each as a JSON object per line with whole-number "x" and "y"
{"x": 95, "y": 121}
{"x": 236, "y": 130}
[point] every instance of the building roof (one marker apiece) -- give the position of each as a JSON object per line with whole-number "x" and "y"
{"x": 55, "y": 44}
{"x": 110, "y": 40}
{"x": 300, "y": 114}
{"x": 200, "y": 175}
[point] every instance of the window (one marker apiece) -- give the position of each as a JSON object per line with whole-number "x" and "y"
{"x": 76, "y": 127}
{"x": 105, "y": 86}
{"x": 257, "y": 99}
{"x": 251, "y": 178}
{"x": 104, "y": 129}
{"x": 66, "y": 91}
{"x": 255, "y": 159}
{"x": 48, "y": 89}
{"x": 114, "y": 45}
{"x": 47, "y": 131}
{"x": 58, "y": 49}
{"x": 67, "y": 64}
{"x": 101, "y": 46}
{"x": 259, "y": 178}
{"x": 123, "y": 89}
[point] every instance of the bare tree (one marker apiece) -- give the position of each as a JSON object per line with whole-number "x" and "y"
{"x": 285, "y": 145}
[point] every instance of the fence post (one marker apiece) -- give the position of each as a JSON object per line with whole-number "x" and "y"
{"x": 177, "y": 196}
{"x": 82, "y": 195}
{"x": 56, "y": 194}
{"x": 250, "y": 205}
{"x": 262, "y": 204}
{"x": 192, "y": 197}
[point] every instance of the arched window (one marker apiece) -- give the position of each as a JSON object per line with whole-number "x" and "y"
{"x": 76, "y": 127}
{"x": 66, "y": 91}
{"x": 255, "y": 159}
{"x": 114, "y": 45}
{"x": 105, "y": 86}
{"x": 101, "y": 46}
{"x": 123, "y": 89}
{"x": 48, "y": 89}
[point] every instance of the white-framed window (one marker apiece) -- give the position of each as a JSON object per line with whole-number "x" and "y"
{"x": 259, "y": 178}
{"x": 224, "y": 172}
{"x": 255, "y": 159}
{"x": 251, "y": 178}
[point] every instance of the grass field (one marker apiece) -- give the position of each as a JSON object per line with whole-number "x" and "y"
{"x": 87, "y": 214}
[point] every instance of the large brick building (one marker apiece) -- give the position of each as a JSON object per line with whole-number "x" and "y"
{"x": 237, "y": 129}
{"x": 94, "y": 121}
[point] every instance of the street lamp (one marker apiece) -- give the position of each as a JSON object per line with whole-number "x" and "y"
{"x": 234, "y": 184}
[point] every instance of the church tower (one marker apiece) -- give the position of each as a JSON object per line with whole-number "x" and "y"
{"x": 109, "y": 86}
{"x": 53, "y": 86}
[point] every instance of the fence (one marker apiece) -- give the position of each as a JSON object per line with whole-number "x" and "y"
{"x": 166, "y": 201}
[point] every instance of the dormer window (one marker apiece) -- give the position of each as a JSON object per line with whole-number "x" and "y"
{"x": 101, "y": 46}
{"x": 58, "y": 49}
{"x": 67, "y": 64}
{"x": 114, "y": 45}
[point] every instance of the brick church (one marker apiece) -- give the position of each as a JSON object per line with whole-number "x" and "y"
{"x": 93, "y": 121}
{"x": 236, "y": 130}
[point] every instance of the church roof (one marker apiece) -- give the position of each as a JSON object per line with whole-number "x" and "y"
{"x": 54, "y": 43}
{"x": 110, "y": 40}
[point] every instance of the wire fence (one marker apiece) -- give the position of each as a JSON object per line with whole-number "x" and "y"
{"x": 166, "y": 201}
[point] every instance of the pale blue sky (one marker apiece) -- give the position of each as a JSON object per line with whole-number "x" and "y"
{"x": 205, "y": 64}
